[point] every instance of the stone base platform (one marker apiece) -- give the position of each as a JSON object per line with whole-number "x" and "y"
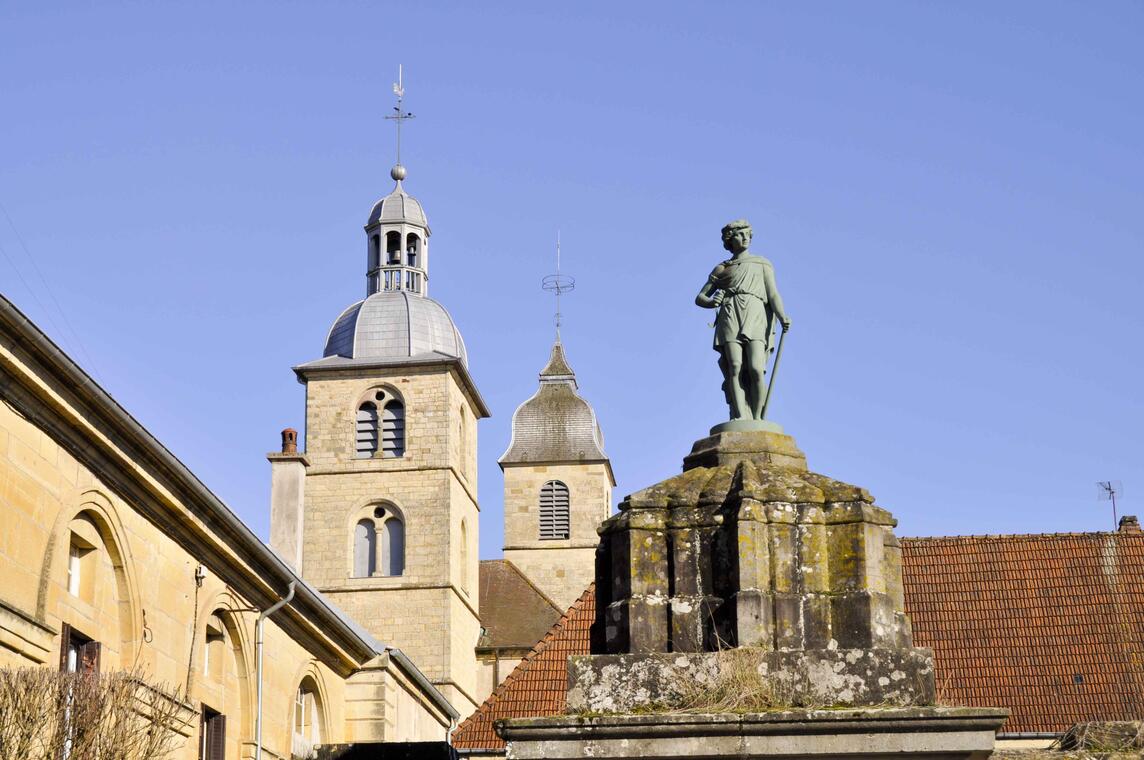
{"x": 936, "y": 733}
{"x": 625, "y": 683}
{"x": 765, "y": 446}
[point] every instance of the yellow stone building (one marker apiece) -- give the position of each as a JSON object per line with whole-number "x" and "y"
{"x": 114, "y": 555}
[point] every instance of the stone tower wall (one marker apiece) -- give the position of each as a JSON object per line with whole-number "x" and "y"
{"x": 431, "y": 610}
{"x": 561, "y": 569}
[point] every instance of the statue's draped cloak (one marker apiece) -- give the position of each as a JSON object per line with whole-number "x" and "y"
{"x": 746, "y": 313}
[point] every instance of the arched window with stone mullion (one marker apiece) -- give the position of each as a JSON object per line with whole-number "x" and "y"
{"x": 380, "y": 427}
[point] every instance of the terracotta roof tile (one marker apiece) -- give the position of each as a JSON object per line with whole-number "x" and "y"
{"x": 1013, "y": 622}
{"x": 536, "y": 686}
{"x": 1050, "y": 626}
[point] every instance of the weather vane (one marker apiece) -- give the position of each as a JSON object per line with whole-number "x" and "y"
{"x": 399, "y": 115}
{"x": 558, "y": 284}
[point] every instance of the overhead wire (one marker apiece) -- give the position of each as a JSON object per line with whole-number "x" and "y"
{"x": 48, "y": 288}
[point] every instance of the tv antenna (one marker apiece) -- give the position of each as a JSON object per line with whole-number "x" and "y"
{"x": 398, "y": 116}
{"x": 1108, "y": 490}
{"x": 558, "y": 284}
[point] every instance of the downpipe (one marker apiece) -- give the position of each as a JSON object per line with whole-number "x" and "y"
{"x": 258, "y": 628}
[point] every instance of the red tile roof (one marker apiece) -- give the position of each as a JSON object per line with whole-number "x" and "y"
{"x": 537, "y": 686}
{"x": 514, "y": 612}
{"x": 1050, "y": 626}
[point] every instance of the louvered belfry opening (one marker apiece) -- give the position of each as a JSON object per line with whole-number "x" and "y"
{"x": 382, "y": 431}
{"x": 366, "y": 430}
{"x": 393, "y": 429}
{"x": 554, "y": 511}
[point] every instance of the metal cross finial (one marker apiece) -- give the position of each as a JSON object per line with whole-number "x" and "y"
{"x": 398, "y": 114}
{"x": 558, "y": 284}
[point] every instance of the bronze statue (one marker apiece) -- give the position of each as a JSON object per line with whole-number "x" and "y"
{"x": 743, "y": 289}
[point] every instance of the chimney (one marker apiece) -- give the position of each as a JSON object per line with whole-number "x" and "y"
{"x": 287, "y": 492}
{"x": 1129, "y": 524}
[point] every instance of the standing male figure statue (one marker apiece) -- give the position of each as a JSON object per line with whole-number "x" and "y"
{"x": 743, "y": 289}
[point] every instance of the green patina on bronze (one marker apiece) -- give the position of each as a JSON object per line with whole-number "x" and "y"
{"x": 749, "y": 309}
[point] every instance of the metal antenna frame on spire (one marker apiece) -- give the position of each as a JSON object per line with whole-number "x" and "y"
{"x": 558, "y": 284}
{"x": 399, "y": 115}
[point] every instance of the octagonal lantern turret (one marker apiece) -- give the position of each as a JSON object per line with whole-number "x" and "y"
{"x": 397, "y": 234}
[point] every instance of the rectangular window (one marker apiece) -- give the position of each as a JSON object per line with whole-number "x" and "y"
{"x": 81, "y": 568}
{"x": 213, "y": 648}
{"x": 78, "y": 653}
{"x": 300, "y": 713}
{"x": 212, "y": 745}
{"x": 306, "y": 737}
{"x": 74, "y": 569}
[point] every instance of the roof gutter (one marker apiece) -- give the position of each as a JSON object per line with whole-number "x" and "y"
{"x": 419, "y": 678}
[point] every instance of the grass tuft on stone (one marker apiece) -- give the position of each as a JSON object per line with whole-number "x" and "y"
{"x": 741, "y": 687}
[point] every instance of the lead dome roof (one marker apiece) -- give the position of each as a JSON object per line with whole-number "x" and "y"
{"x": 395, "y": 326}
{"x": 399, "y": 206}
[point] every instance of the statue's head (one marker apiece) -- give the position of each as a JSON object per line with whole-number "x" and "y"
{"x": 737, "y": 235}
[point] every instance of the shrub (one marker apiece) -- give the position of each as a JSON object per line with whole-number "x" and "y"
{"x": 48, "y": 715}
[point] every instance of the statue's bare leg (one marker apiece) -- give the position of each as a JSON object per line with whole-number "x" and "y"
{"x": 755, "y": 368}
{"x": 726, "y": 383}
{"x": 732, "y": 373}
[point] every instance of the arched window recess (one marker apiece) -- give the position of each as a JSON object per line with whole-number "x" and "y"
{"x": 412, "y": 251}
{"x": 393, "y": 248}
{"x": 308, "y": 719}
{"x": 379, "y": 542}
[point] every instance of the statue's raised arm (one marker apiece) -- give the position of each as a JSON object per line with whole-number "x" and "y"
{"x": 750, "y": 309}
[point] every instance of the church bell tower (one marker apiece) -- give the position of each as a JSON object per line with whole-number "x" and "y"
{"x": 557, "y": 479}
{"x": 388, "y": 519}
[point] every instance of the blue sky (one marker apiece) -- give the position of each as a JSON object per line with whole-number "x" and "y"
{"x": 951, "y": 194}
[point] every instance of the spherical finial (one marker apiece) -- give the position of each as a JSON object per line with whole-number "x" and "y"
{"x": 397, "y": 172}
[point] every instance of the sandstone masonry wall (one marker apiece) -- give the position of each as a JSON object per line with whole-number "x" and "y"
{"x": 430, "y": 610}
{"x": 562, "y": 569}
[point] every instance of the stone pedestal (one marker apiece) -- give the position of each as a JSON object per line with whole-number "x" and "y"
{"x": 936, "y": 733}
{"x": 747, "y": 547}
{"x": 736, "y": 601}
